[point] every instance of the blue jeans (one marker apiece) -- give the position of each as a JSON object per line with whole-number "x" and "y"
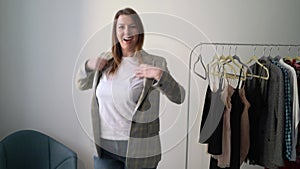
{"x": 109, "y": 159}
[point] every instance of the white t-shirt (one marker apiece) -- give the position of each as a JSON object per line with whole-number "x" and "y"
{"x": 117, "y": 97}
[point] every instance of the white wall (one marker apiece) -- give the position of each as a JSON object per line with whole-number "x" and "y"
{"x": 42, "y": 43}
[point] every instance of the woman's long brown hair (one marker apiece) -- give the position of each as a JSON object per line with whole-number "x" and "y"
{"x": 116, "y": 47}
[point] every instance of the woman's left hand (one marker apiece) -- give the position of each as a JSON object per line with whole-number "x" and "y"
{"x": 148, "y": 71}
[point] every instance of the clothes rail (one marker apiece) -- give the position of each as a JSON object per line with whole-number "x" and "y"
{"x": 245, "y": 44}
{"x": 199, "y": 58}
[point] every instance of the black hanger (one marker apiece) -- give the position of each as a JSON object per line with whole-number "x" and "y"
{"x": 199, "y": 59}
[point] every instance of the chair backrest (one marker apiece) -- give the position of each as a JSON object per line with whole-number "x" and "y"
{"x": 33, "y": 150}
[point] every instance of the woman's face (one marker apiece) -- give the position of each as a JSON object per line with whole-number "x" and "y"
{"x": 127, "y": 33}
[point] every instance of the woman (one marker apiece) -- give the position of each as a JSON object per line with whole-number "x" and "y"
{"x": 125, "y": 102}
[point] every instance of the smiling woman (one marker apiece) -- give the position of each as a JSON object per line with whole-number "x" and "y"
{"x": 126, "y": 84}
{"x": 127, "y": 34}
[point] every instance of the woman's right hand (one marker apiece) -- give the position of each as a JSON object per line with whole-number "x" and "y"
{"x": 96, "y": 63}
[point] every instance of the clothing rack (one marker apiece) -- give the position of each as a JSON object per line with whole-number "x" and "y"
{"x": 199, "y": 58}
{"x": 244, "y": 44}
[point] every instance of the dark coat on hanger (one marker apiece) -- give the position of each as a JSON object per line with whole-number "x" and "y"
{"x": 269, "y": 121}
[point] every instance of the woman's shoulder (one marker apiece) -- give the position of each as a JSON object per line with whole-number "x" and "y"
{"x": 106, "y": 55}
{"x": 152, "y": 56}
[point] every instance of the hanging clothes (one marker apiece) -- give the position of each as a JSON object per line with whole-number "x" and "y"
{"x": 295, "y": 106}
{"x": 212, "y": 120}
{"x": 235, "y": 126}
{"x": 290, "y": 119}
{"x": 223, "y": 160}
{"x": 256, "y": 93}
{"x": 296, "y": 67}
{"x": 245, "y": 127}
{"x": 287, "y": 111}
{"x": 296, "y": 164}
{"x": 267, "y": 117}
{"x": 268, "y": 109}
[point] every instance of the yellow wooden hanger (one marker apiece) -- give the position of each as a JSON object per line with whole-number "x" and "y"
{"x": 255, "y": 59}
{"x": 218, "y": 68}
{"x": 288, "y": 57}
{"x": 214, "y": 65}
{"x": 230, "y": 59}
{"x": 298, "y": 55}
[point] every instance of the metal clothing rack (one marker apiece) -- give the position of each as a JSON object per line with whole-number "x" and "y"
{"x": 200, "y": 59}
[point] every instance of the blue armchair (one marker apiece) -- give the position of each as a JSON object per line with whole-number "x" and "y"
{"x": 28, "y": 149}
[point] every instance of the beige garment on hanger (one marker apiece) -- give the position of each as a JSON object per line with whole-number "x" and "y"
{"x": 224, "y": 158}
{"x": 245, "y": 131}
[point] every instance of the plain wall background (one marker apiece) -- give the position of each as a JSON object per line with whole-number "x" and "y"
{"x": 42, "y": 43}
